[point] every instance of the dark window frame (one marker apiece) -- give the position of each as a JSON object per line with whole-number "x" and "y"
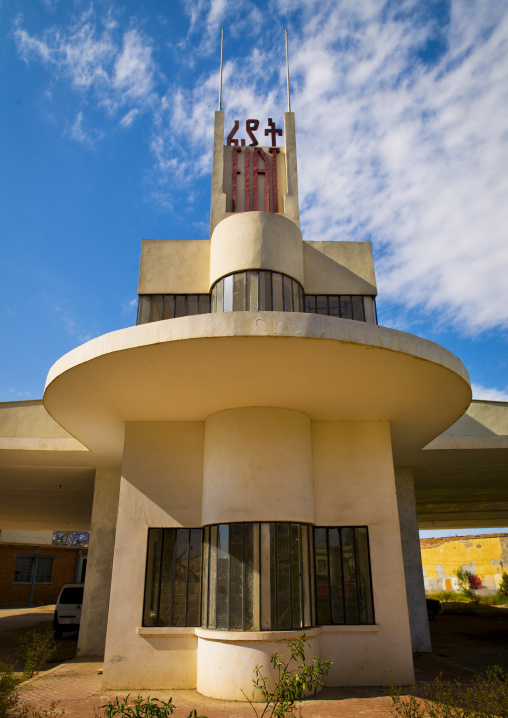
{"x": 211, "y": 607}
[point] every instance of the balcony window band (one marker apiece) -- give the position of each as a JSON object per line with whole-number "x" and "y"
{"x": 253, "y": 290}
{"x": 253, "y": 576}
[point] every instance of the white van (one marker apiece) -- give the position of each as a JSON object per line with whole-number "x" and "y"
{"x": 67, "y": 616}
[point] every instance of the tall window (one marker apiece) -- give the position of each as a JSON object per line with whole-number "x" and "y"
{"x": 258, "y": 576}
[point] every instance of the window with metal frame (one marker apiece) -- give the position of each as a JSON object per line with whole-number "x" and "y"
{"x": 258, "y": 576}
{"x": 155, "y": 307}
{"x": 344, "y": 306}
{"x": 23, "y": 570}
{"x": 257, "y": 290}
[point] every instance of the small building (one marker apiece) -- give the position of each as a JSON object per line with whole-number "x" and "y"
{"x": 33, "y": 570}
{"x": 254, "y": 458}
{"x": 485, "y": 555}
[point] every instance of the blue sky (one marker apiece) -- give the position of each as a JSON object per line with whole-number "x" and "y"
{"x": 106, "y": 138}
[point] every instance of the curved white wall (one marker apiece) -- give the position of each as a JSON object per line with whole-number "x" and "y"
{"x": 226, "y": 667}
{"x": 257, "y": 466}
{"x": 256, "y": 240}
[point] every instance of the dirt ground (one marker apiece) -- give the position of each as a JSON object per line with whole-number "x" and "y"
{"x": 473, "y": 636}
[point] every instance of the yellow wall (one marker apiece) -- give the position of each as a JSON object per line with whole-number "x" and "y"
{"x": 483, "y": 556}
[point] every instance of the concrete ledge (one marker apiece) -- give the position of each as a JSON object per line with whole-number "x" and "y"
{"x": 206, "y": 363}
{"x": 229, "y": 636}
{"x": 169, "y": 632}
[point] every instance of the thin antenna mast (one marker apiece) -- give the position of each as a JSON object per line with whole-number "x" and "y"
{"x": 221, "y": 55}
{"x": 287, "y": 72}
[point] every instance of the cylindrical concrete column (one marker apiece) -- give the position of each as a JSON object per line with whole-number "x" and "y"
{"x": 94, "y": 614}
{"x": 415, "y": 588}
{"x": 256, "y": 240}
{"x": 258, "y": 466}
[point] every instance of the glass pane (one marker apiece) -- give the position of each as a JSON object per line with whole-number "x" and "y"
{"x": 166, "y": 589}
{"x": 192, "y": 304}
{"x": 228, "y": 294}
{"x": 363, "y": 575}
{"x": 72, "y": 595}
{"x": 168, "y": 311}
{"x": 322, "y": 581}
{"x": 144, "y": 309}
{"x": 239, "y": 292}
{"x": 272, "y": 582}
{"x": 349, "y": 567}
{"x": 181, "y": 570}
{"x": 278, "y": 305}
{"x": 296, "y": 576}
{"x": 265, "y": 291}
{"x": 204, "y": 588}
{"x": 204, "y": 304}
{"x": 310, "y": 303}
{"x": 236, "y": 589}
{"x": 23, "y": 572}
{"x": 214, "y": 299}
{"x": 288, "y": 294}
{"x": 296, "y": 297}
{"x": 43, "y": 571}
{"x": 322, "y": 304}
{"x": 151, "y": 607}
{"x": 223, "y": 577}
{"x": 252, "y": 291}
{"x": 358, "y": 312}
{"x": 283, "y": 577}
{"x": 335, "y": 576}
{"x": 334, "y": 307}
{"x": 212, "y": 595}
{"x": 194, "y": 586}
{"x": 306, "y": 576}
{"x": 346, "y": 311}
{"x": 156, "y": 313}
{"x": 180, "y": 305}
{"x": 220, "y": 295}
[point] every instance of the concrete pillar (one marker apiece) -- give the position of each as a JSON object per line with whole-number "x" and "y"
{"x": 257, "y": 466}
{"x": 94, "y": 616}
{"x": 415, "y": 589}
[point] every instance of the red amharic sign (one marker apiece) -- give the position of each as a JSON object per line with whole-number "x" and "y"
{"x": 257, "y": 158}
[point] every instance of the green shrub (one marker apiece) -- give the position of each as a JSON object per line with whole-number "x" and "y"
{"x": 464, "y": 580}
{"x": 8, "y": 694}
{"x": 446, "y": 596}
{"x": 10, "y": 704}
{"x": 141, "y": 708}
{"x": 485, "y": 697}
{"x": 282, "y": 696}
{"x": 503, "y": 586}
{"x": 35, "y": 649}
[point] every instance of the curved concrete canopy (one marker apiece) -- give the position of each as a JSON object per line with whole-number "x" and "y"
{"x": 185, "y": 369}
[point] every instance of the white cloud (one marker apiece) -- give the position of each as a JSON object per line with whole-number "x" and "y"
{"x": 129, "y": 118}
{"x": 77, "y": 132}
{"x": 482, "y": 392}
{"x": 118, "y": 70}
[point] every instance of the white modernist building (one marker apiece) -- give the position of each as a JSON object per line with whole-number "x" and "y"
{"x": 255, "y": 456}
